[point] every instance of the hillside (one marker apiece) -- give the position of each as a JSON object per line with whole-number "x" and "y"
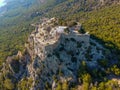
{"x": 56, "y": 56}
{"x": 42, "y": 59}
{"x": 15, "y": 25}
{"x": 15, "y": 22}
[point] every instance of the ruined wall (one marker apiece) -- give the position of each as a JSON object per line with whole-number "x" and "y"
{"x": 78, "y": 37}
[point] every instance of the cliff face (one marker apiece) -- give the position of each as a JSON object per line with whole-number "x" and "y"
{"x": 58, "y": 55}
{"x": 54, "y": 54}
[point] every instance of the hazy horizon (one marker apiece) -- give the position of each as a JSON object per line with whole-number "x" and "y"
{"x": 2, "y": 3}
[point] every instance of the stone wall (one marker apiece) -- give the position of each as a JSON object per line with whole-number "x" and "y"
{"x": 78, "y": 37}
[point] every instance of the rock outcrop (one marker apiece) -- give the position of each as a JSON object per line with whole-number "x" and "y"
{"x": 58, "y": 54}
{"x": 54, "y": 53}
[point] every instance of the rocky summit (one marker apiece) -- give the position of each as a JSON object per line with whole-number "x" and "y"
{"x": 54, "y": 55}
{"x": 58, "y": 51}
{"x": 77, "y": 49}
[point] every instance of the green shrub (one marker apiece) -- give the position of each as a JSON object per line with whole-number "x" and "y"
{"x": 8, "y": 84}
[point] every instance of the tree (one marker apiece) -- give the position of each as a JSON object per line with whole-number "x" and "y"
{"x": 1, "y": 82}
{"x": 86, "y": 81}
{"x": 102, "y": 86}
{"x": 22, "y": 85}
{"x": 82, "y": 30}
{"x": 82, "y": 69}
{"x": 25, "y": 84}
{"x": 115, "y": 70}
{"x": 8, "y": 84}
{"x": 65, "y": 86}
{"x": 59, "y": 86}
{"x": 94, "y": 88}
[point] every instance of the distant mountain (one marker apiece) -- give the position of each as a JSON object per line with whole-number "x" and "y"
{"x": 26, "y": 7}
{"x": 19, "y": 6}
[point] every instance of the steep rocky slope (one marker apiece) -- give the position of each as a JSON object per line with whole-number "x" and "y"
{"x": 53, "y": 57}
{"x": 14, "y": 22}
{"x": 55, "y": 54}
{"x": 59, "y": 55}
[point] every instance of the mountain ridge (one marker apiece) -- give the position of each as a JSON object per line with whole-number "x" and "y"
{"x": 101, "y": 20}
{"x": 57, "y": 54}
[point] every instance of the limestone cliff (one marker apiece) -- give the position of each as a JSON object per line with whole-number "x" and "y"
{"x": 54, "y": 54}
{"x": 59, "y": 54}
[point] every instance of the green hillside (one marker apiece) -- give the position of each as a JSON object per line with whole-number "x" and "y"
{"x": 15, "y": 24}
{"x": 100, "y": 19}
{"x": 103, "y": 24}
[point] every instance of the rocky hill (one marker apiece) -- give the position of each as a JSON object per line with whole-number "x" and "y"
{"x": 59, "y": 55}
{"x": 17, "y": 16}
{"x": 56, "y": 55}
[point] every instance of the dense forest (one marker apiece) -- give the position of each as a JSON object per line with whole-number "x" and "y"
{"x": 102, "y": 24}
{"x": 15, "y": 23}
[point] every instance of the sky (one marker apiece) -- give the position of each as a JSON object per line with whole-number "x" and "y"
{"x": 2, "y": 3}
